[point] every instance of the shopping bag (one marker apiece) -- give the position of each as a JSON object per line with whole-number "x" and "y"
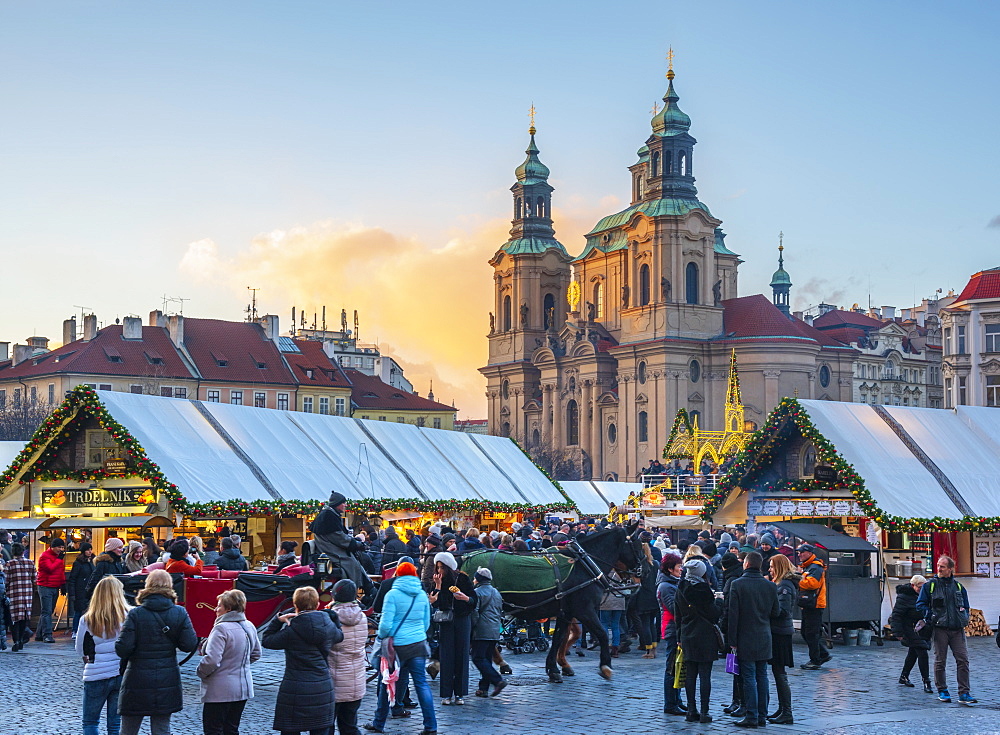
{"x": 680, "y": 670}
{"x": 732, "y": 664}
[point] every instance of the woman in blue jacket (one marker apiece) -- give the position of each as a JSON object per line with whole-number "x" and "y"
{"x": 406, "y": 616}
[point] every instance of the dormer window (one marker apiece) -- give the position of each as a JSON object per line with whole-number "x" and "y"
{"x": 261, "y": 365}
{"x": 115, "y": 358}
{"x": 221, "y": 363}
{"x": 309, "y": 374}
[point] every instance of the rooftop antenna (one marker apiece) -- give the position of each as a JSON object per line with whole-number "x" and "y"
{"x": 356, "y": 333}
{"x": 84, "y": 310}
{"x": 252, "y": 307}
{"x": 293, "y": 321}
{"x": 324, "y": 318}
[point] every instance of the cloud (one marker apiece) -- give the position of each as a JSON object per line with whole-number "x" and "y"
{"x": 737, "y": 194}
{"x": 427, "y": 306}
{"x": 821, "y": 290}
{"x": 995, "y": 222}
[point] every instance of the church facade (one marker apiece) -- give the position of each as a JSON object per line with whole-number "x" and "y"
{"x": 591, "y": 356}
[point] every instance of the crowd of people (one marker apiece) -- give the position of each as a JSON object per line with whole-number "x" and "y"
{"x": 725, "y": 595}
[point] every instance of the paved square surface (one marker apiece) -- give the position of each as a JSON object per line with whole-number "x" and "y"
{"x": 855, "y": 694}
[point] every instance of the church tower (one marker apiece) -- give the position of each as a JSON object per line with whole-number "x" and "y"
{"x": 781, "y": 282}
{"x": 531, "y": 273}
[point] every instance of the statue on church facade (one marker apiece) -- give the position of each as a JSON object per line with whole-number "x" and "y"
{"x": 591, "y": 312}
{"x": 493, "y": 323}
{"x": 717, "y": 292}
{"x": 524, "y": 315}
{"x": 625, "y": 295}
{"x": 665, "y": 288}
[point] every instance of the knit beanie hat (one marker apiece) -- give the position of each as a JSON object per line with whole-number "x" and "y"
{"x": 114, "y": 544}
{"x": 483, "y": 574}
{"x": 725, "y": 539}
{"x": 345, "y": 591}
{"x": 767, "y": 539}
{"x": 695, "y": 570}
{"x": 729, "y": 561}
{"x": 405, "y": 569}
{"x": 446, "y": 558}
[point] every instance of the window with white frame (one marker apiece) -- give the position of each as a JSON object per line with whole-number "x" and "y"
{"x": 993, "y": 391}
{"x": 340, "y": 406}
{"x": 137, "y": 389}
{"x": 180, "y": 392}
{"x": 236, "y": 397}
{"x": 212, "y": 396}
{"x": 104, "y": 386}
{"x": 3, "y": 399}
{"x": 307, "y": 404}
{"x": 960, "y": 339}
{"x": 166, "y": 391}
{"x": 993, "y": 337}
{"x": 260, "y": 400}
{"x": 401, "y": 419}
{"x": 282, "y": 401}
{"x": 962, "y": 391}
{"x": 324, "y": 405}
{"x": 437, "y": 423}
{"x": 52, "y": 393}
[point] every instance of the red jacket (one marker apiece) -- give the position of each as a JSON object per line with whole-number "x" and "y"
{"x": 51, "y": 570}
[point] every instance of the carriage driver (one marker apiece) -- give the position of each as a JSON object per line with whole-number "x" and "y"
{"x": 332, "y": 537}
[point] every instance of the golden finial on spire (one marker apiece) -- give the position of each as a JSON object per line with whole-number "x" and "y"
{"x": 670, "y": 63}
{"x": 531, "y": 117}
{"x": 781, "y": 241}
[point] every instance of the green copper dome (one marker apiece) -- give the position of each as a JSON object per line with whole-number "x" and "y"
{"x": 781, "y": 277}
{"x": 643, "y": 153}
{"x": 671, "y": 120}
{"x": 532, "y": 171}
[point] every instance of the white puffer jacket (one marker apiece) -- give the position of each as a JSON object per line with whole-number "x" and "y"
{"x": 106, "y": 662}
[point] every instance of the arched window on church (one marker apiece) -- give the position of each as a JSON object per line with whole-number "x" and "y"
{"x": 540, "y": 207}
{"x": 505, "y": 428}
{"x": 691, "y": 283}
{"x": 668, "y": 160}
{"x": 549, "y": 308}
{"x": 505, "y": 320}
{"x": 655, "y": 159}
{"x": 518, "y": 208}
{"x": 572, "y": 423}
{"x": 643, "y": 285}
{"x": 599, "y": 299}
{"x": 682, "y": 163}
{"x": 643, "y": 428}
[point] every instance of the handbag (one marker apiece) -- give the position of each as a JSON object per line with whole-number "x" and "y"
{"x": 680, "y": 669}
{"x": 443, "y": 616}
{"x": 732, "y": 664}
{"x": 807, "y": 599}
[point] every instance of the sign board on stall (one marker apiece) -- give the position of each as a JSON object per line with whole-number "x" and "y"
{"x": 115, "y": 466}
{"x": 803, "y": 508}
{"x": 117, "y": 497}
{"x": 824, "y": 473}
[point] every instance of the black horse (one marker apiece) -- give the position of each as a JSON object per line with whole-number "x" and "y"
{"x": 608, "y": 549}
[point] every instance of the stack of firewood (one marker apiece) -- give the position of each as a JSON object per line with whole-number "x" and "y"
{"x": 977, "y": 623}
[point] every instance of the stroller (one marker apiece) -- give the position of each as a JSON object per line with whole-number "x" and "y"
{"x": 521, "y": 637}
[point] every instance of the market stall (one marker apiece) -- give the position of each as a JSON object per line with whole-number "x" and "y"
{"x": 204, "y": 465}
{"x": 915, "y": 482}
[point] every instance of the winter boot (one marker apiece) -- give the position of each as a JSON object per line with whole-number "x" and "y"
{"x": 927, "y": 686}
{"x": 904, "y": 680}
{"x": 614, "y": 651}
{"x": 784, "y": 717}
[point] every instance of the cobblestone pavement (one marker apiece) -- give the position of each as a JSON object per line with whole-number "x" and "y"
{"x": 855, "y": 694}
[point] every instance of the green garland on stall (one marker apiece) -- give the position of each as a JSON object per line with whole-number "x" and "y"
{"x": 681, "y": 418}
{"x": 758, "y": 453}
{"x": 53, "y": 434}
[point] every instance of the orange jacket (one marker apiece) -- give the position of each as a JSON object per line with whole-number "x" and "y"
{"x": 179, "y": 566}
{"x": 814, "y": 578}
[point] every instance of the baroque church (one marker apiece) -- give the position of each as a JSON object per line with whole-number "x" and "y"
{"x": 591, "y": 356}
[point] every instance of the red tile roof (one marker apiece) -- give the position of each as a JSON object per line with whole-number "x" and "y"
{"x": 982, "y": 285}
{"x": 132, "y": 357}
{"x": 241, "y": 346}
{"x": 839, "y": 317}
{"x": 755, "y": 317}
{"x": 370, "y": 392}
{"x": 325, "y": 372}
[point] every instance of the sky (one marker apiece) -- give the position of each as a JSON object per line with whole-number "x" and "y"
{"x": 359, "y": 155}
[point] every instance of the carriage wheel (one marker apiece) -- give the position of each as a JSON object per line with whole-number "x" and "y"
{"x": 528, "y": 647}
{"x": 541, "y": 645}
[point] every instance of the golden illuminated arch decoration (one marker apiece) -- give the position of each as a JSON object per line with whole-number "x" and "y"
{"x": 689, "y": 441}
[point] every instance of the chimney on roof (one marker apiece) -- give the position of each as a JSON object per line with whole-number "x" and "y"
{"x": 69, "y": 330}
{"x": 175, "y": 327}
{"x": 132, "y": 328}
{"x": 89, "y": 327}
{"x": 906, "y": 314}
{"x": 825, "y": 308}
{"x": 21, "y": 353}
{"x": 156, "y": 319}
{"x": 4, "y": 350}
{"x": 269, "y": 323}
{"x": 888, "y": 312}
{"x": 797, "y": 315}
{"x": 38, "y": 343}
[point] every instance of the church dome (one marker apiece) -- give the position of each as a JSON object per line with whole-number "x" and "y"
{"x": 532, "y": 171}
{"x": 671, "y": 120}
{"x": 781, "y": 278}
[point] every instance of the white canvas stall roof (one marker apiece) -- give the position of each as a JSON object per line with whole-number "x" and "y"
{"x": 898, "y": 482}
{"x": 359, "y": 468}
{"x": 617, "y": 492}
{"x": 530, "y": 481}
{"x": 585, "y": 495}
{"x": 437, "y": 477}
{"x": 189, "y": 452}
{"x": 8, "y": 451}
{"x": 968, "y": 457}
{"x": 300, "y": 456}
{"x": 294, "y": 466}
{"x": 491, "y": 482}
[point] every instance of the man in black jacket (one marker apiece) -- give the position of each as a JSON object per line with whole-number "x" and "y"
{"x": 393, "y": 547}
{"x": 230, "y": 558}
{"x": 753, "y": 603}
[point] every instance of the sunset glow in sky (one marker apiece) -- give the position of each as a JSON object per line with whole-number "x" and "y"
{"x": 359, "y": 155}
